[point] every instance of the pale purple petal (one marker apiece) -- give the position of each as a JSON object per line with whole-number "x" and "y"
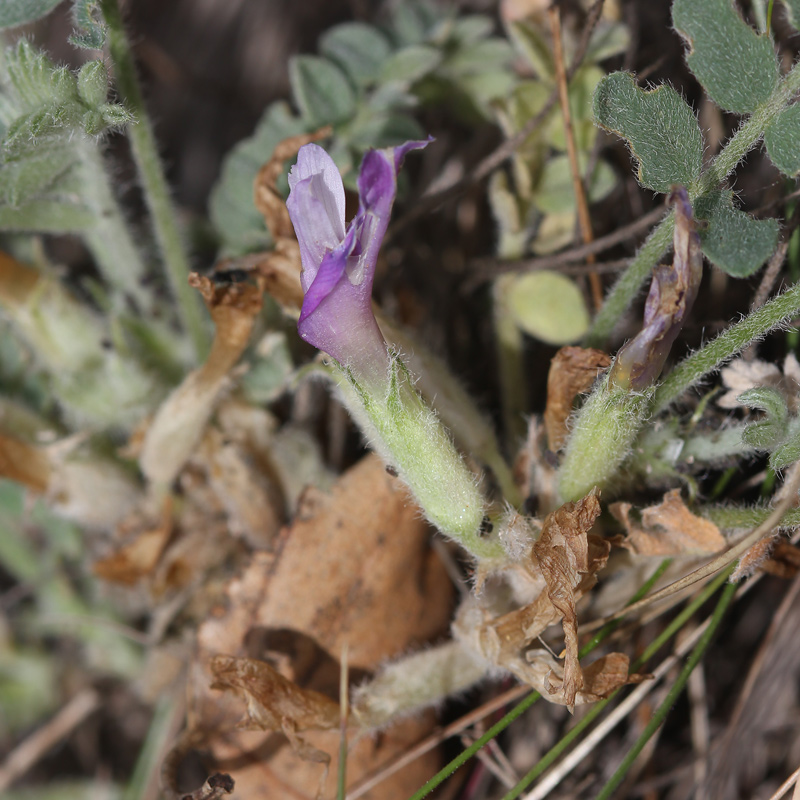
{"x": 316, "y": 207}
{"x": 339, "y": 268}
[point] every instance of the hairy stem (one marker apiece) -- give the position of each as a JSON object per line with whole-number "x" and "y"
{"x": 773, "y": 314}
{"x": 154, "y": 184}
{"x": 109, "y": 238}
{"x": 627, "y": 287}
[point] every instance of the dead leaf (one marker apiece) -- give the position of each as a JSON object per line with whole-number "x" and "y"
{"x": 741, "y": 375}
{"x": 784, "y": 561}
{"x": 573, "y": 370}
{"x": 130, "y": 563}
{"x": 276, "y": 704}
{"x": 355, "y": 567}
{"x": 668, "y": 529}
{"x": 179, "y": 423}
{"x": 24, "y": 463}
{"x": 569, "y": 565}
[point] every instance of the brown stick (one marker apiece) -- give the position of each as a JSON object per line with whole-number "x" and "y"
{"x": 572, "y": 150}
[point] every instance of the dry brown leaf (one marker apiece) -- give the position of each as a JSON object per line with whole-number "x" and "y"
{"x": 753, "y": 559}
{"x": 573, "y": 370}
{"x": 24, "y": 463}
{"x": 179, "y": 423}
{"x": 251, "y": 500}
{"x": 569, "y": 565}
{"x": 784, "y": 561}
{"x": 355, "y": 567}
{"x": 137, "y": 559}
{"x": 668, "y": 529}
{"x": 276, "y": 704}
{"x": 600, "y": 678}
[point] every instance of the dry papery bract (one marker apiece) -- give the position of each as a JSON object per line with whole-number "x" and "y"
{"x": 560, "y": 569}
{"x": 573, "y": 370}
{"x": 355, "y": 568}
{"x": 667, "y": 529}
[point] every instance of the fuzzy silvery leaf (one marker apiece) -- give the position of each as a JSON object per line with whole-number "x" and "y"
{"x": 471, "y": 29}
{"x": 410, "y": 64}
{"x": 793, "y": 12}
{"x": 659, "y": 126}
{"x": 788, "y": 451}
{"x": 768, "y": 432}
{"x": 737, "y": 66}
{"x": 414, "y": 22}
{"x": 238, "y": 223}
{"x": 782, "y": 140}
{"x": 90, "y": 28}
{"x": 25, "y": 179}
{"x": 383, "y": 130}
{"x": 357, "y": 48}
{"x": 93, "y": 83}
{"x": 734, "y": 241}
{"x": 321, "y": 90}
{"x": 21, "y": 12}
{"x": 46, "y": 216}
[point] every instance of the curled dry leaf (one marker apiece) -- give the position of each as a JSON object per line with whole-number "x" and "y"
{"x": 754, "y": 558}
{"x": 563, "y": 566}
{"x": 275, "y": 703}
{"x": 355, "y": 567}
{"x": 180, "y": 421}
{"x": 573, "y": 370}
{"x": 24, "y": 463}
{"x": 569, "y": 564}
{"x": 668, "y": 529}
{"x": 139, "y": 557}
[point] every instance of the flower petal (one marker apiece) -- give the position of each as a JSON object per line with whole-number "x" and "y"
{"x": 316, "y": 207}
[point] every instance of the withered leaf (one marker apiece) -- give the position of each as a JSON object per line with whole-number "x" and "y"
{"x": 274, "y": 703}
{"x": 573, "y": 370}
{"x": 180, "y": 421}
{"x": 24, "y": 463}
{"x": 137, "y": 559}
{"x": 568, "y": 565}
{"x": 668, "y": 529}
{"x": 355, "y": 567}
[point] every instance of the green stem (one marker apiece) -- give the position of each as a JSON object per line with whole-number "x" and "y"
{"x": 734, "y": 518}
{"x": 672, "y": 696}
{"x": 154, "y": 184}
{"x": 109, "y": 237}
{"x": 627, "y": 287}
{"x": 733, "y": 340}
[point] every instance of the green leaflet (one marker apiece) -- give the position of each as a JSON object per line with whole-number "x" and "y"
{"x": 770, "y": 431}
{"x": 660, "y": 127}
{"x": 321, "y": 90}
{"x": 737, "y": 66}
{"x": 736, "y": 242}
{"x": 782, "y": 140}
{"x": 358, "y": 49}
{"x": 793, "y": 12}
{"x": 20, "y": 12}
{"x": 238, "y": 223}
{"x": 410, "y": 64}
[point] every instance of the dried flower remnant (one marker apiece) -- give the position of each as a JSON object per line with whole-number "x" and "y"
{"x": 668, "y": 529}
{"x": 672, "y": 294}
{"x": 573, "y": 370}
{"x": 338, "y": 269}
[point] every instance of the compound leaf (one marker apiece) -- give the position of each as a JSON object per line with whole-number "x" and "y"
{"x": 321, "y": 90}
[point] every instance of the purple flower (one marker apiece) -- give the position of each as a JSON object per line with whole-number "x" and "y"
{"x": 338, "y": 263}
